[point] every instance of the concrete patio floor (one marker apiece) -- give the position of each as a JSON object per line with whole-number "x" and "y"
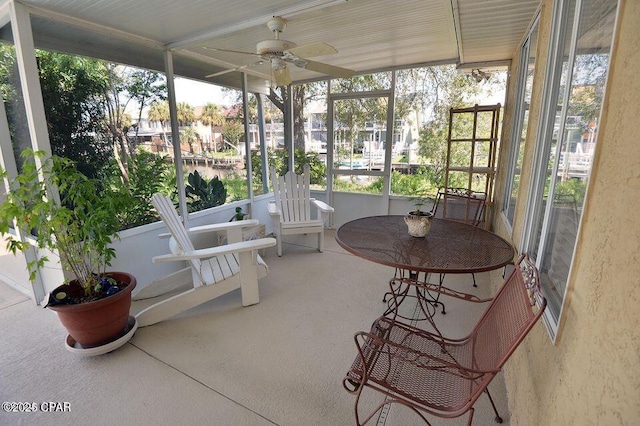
{"x": 280, "y": 362}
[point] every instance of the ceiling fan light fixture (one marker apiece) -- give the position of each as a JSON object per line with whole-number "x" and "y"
{"x": 278, "y": 63}
{"x": 282, "y": 77}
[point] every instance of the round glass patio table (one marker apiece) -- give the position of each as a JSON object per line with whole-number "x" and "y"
{"x": 449, "y": 247}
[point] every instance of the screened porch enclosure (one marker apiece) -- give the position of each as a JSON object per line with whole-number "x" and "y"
{"x": 365, "y": 156}
{"x": 565, "y": 192}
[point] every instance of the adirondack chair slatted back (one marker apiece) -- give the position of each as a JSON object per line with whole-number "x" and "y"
{"x": 509, "y": 317}
{"x": 170, "y": 217}
{"x": 293, "y": 195}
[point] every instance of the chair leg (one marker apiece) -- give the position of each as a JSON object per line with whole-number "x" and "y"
{"x": 474, "y": 279}
{"x": 437, "y": 301}
{"x": 321, "y": 241}
{"x": 279, "y": 245}
{"x": 495, "y": 410}
{"x": 249, "y": 280}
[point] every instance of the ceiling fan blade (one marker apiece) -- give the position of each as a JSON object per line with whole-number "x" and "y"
{"x": 331, "y": 70}
{"x": 215, "y": 74}
{"x": 310, "y": 50}
{"x": 238, "y": 68}
{"x": 215, "y": 49}
{"x": 282, "y": 77}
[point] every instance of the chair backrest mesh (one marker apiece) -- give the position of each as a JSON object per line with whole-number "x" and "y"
{"x": 514, "y": 310}
{"x": 461, "y": 205}
{"x": 292, "y": 194}
{"x": 170, "y": 217}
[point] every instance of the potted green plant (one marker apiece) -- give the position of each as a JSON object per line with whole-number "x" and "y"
{"x": 57, "y": 208}
{"x": 418, "y": 221}
{"x": 238, "y": 215}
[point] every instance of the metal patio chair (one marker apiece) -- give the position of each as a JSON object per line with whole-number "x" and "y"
{"x": 432, "y": 374}
{"x": 291, "y": 209}
{"x": 460, "y": 205}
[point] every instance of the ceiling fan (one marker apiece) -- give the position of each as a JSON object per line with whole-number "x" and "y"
{"x": 279, "y": 53}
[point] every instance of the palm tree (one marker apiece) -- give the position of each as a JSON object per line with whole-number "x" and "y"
{"x": 212, "y": 116}
{"x": 189, "y": 135}
{"x": 186, "y": 114}
{"x": 159, "y": 112}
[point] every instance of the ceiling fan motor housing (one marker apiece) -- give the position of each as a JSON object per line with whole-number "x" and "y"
{"x": 278, "y": 53}
{"x": 274, "y": 47}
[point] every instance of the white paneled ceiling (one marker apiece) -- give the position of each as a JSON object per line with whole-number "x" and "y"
{"x": 493, "y": 28}
{"x": 368, "y": 34}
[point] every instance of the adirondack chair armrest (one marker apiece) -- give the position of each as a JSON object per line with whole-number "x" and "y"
{"x": 224, "y": 226}
{"x": 217, "y": 227}
{"x": 322, "y": 206}
{"x": 273, "y": 209}
{"x": 217, "y": 251}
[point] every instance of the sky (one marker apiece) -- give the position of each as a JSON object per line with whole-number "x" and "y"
{"x": 192, "y": 92}
{"x": 199, "y": 94}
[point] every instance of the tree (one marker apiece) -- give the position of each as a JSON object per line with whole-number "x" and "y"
{"x": 302, "y": 94}
{"x": 190, "y": 136}
{"x": 351, "y": 115}
{"x": 145, "y": 88}
{"x": 445, "y": 88}
{"x": 232, "y": 132}
{"x": 212, "y": 117}
{"x": 186, "y": 114}
{"x": 86, "y": 102}
{"x": 587, "y": 90}
{"x": 159, "y": 112}
{"x": 72, "y": 91}
{"x": 117, "y": 122}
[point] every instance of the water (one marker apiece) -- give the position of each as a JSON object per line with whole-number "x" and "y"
{"x": 210, "y": 171}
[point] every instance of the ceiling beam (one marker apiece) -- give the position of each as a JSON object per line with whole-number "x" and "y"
{"x": 455, "y": 11}
{"x": 486, "y": 66}
{"x": 442, "y": 62}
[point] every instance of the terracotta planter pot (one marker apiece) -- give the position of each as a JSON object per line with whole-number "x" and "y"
{"x": 102, "y": 321}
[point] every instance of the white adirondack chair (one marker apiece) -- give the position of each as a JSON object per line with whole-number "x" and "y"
{"x": 213, "y": 271}
{"x": 291, "y": 209}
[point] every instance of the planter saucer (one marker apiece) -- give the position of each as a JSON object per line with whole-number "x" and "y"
{"x": 77, "y": 348}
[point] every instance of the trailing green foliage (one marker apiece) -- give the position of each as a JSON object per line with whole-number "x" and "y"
{"x": 148, "y": 174}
